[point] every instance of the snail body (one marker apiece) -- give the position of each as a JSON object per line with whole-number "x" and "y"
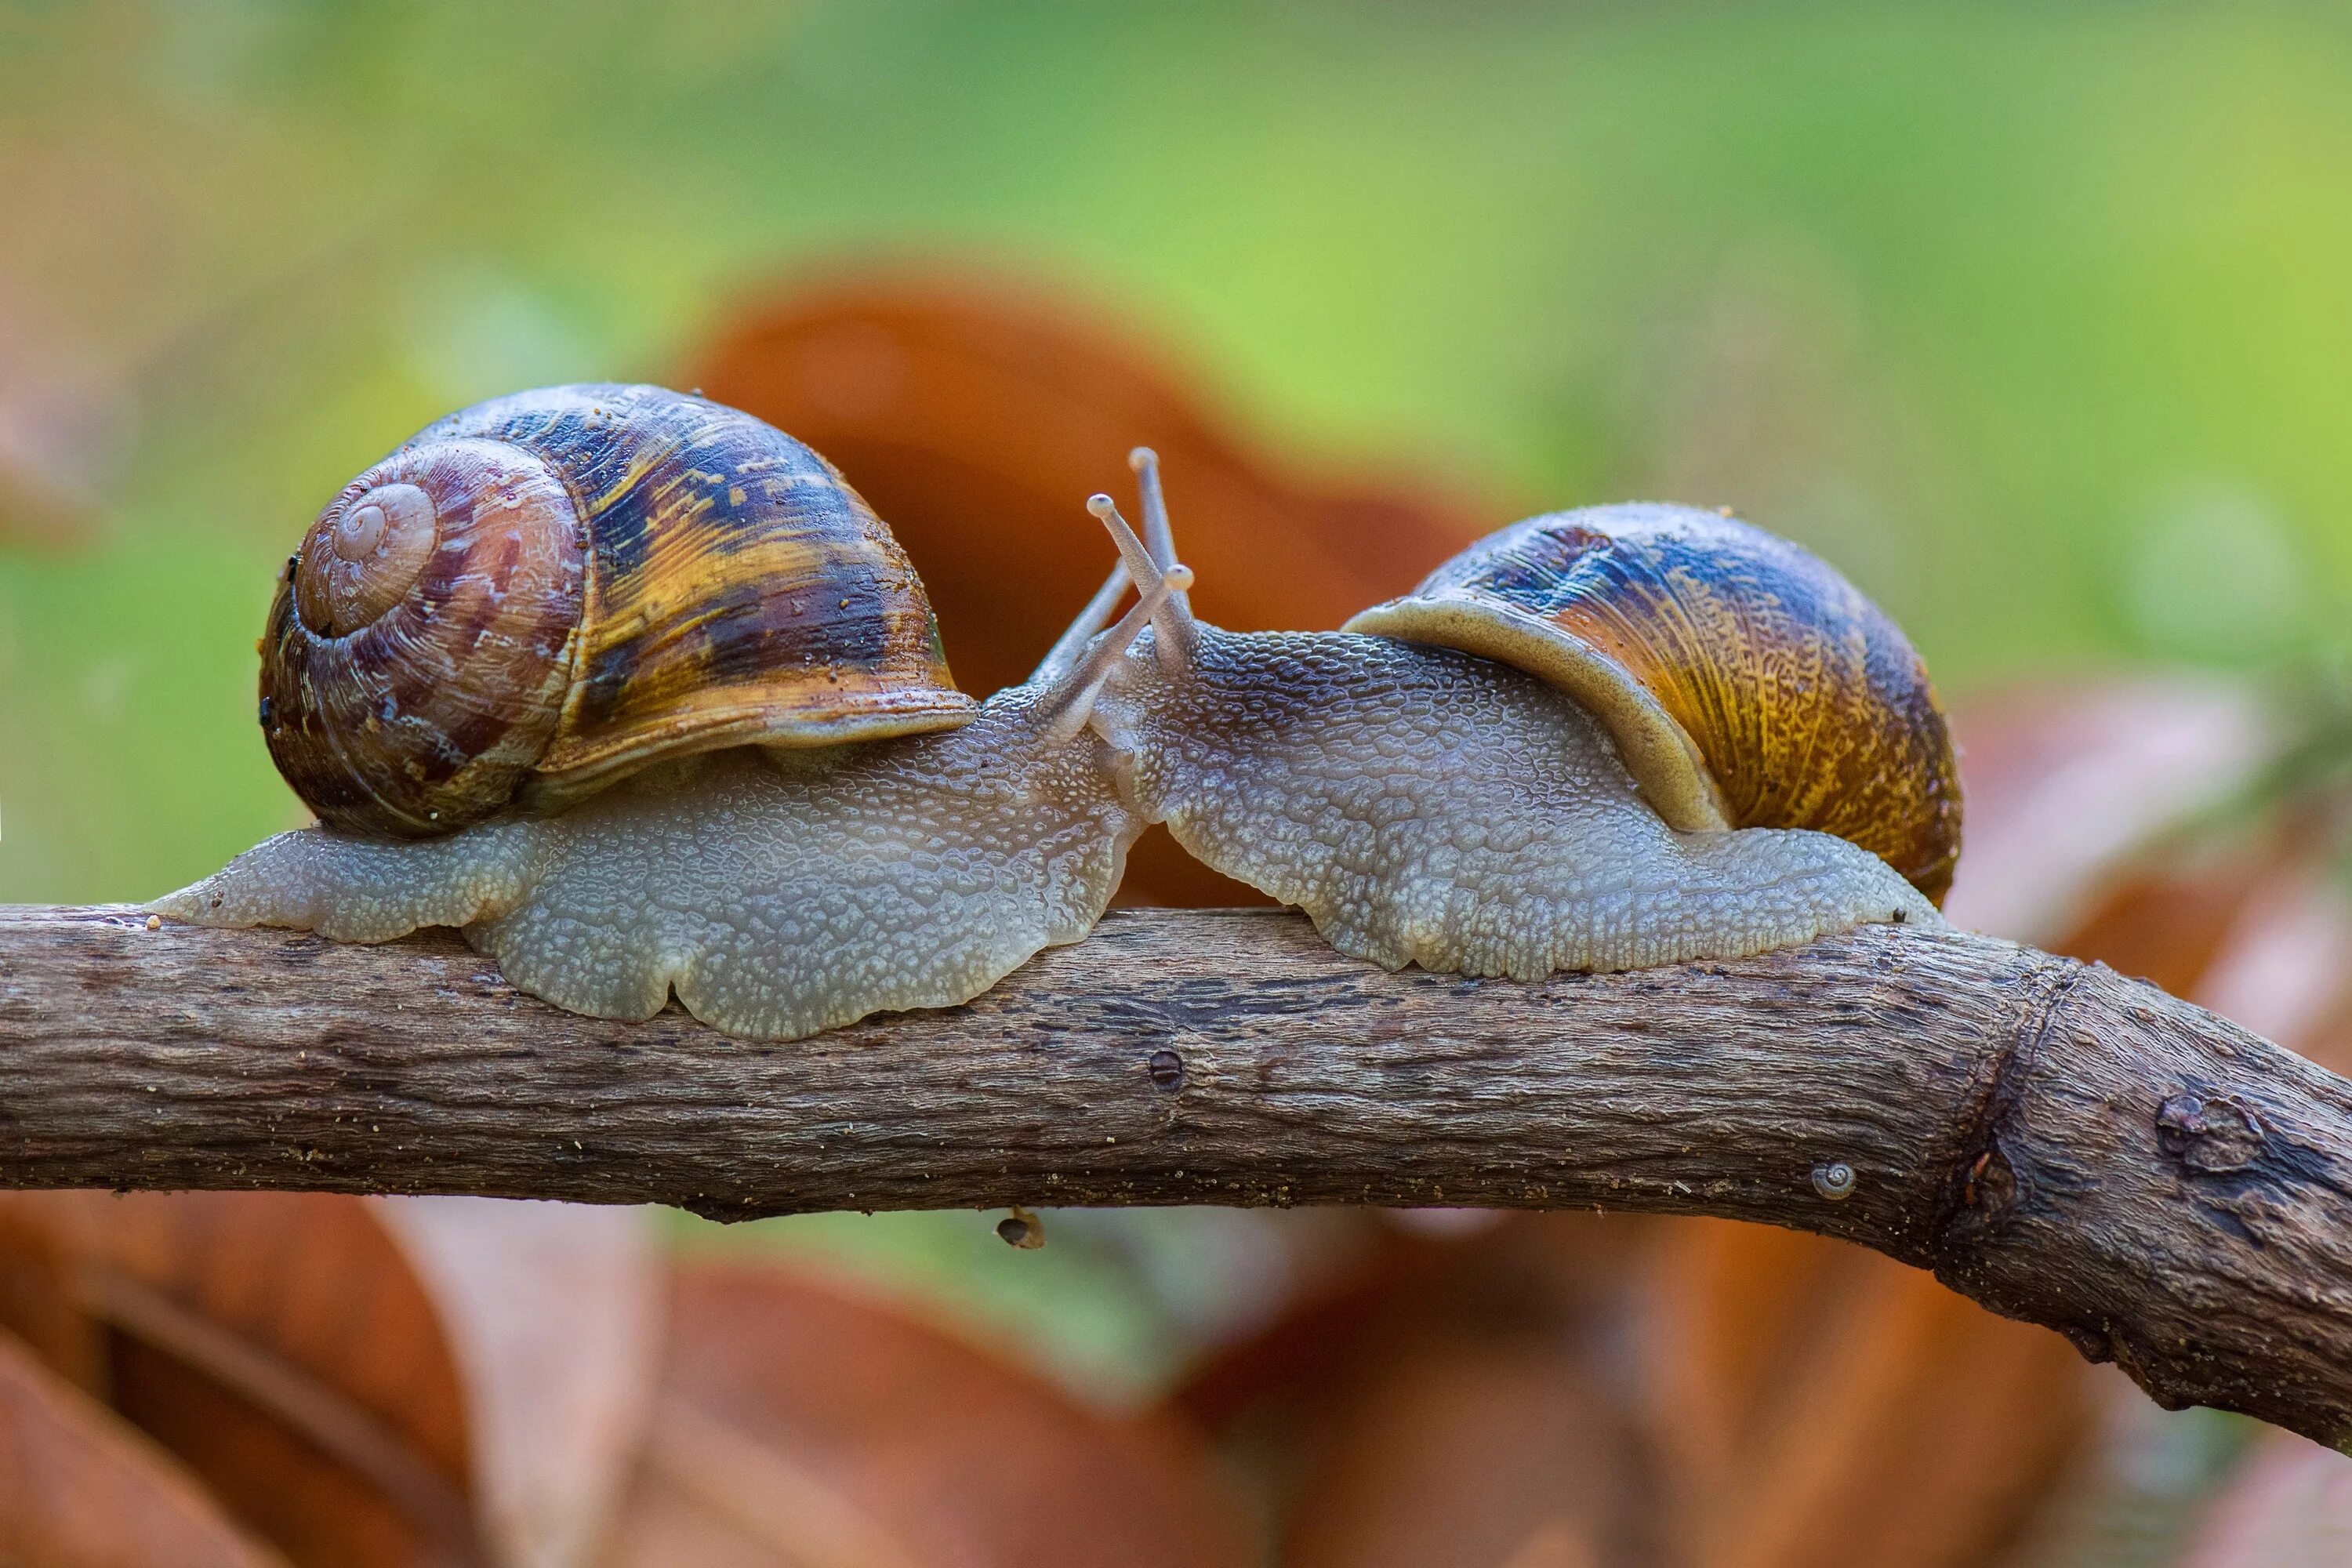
{"x": 1436, "y": 804}
{"x": 776, "y": 894}
{"x": 799, "y": 821}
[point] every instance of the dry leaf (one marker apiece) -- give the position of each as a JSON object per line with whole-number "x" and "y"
{"x": 363, "y": 1381}
{"x": 2284, "y": 970}
{"x": 1445, "y": 1405}
{"x": 801, "y": 1425}
{"x": 282, "y": 1347}
{"x": 2071, "y": 801}
{"x": 2063, "y": 786}
{"x": 1474, "y": 1454}
{"x": 1817, "y": 1406}
{"x": 553, "y": 1312}
{"x": 978, "y": 419}
{"x": 41, "y": 1301}
{"x": 80, "y": 1488}
{"x": 2330, "y": 1041}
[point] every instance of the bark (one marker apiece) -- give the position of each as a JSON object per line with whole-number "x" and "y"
{"x": 2061, "y": 1144}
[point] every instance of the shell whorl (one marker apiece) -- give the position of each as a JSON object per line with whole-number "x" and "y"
{"x": 426, "y": 713}
{"x": 1746, "y": 682}
{"x": 614, "y": 575}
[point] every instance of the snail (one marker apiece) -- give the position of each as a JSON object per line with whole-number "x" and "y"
{"x": 639, "y": 692}
{"x": 1604, "y": 739}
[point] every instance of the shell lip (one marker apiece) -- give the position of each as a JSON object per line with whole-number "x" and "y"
{"x": 1666, "y": 763}
{"x": 571, "y": 771}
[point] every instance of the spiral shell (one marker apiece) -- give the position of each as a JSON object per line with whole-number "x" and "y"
{"x": 540, "y": 594}
{"x": 1746, "y": 682}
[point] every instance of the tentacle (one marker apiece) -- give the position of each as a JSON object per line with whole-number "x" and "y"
{"x": 1177, "y": 639}
{"x": 1140, "y": 563}
{"x": 1071, "y": 645}
{"x": 1065, "y": 708}
{"x": 1137, "y": 564}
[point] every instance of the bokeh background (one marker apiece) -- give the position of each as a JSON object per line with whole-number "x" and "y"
{"x": 2036, "y": 320}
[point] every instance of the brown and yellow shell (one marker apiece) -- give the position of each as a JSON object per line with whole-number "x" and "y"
{"x": 540, "y": 593}
{"x": 1746, "y": 682}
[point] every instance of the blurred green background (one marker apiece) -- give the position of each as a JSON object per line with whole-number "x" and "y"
{"x": 2037, "y": 320}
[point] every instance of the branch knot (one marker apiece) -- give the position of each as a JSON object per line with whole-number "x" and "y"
{"x": 2210, "y": 1133}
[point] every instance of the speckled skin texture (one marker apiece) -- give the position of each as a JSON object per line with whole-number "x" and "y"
{"x": 778, "y": 893}
{"x": 1426, "y": 807}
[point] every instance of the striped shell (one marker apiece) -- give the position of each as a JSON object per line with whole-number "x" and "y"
{"x": 540, "y": 593}
{"x": 1745, "y": 683}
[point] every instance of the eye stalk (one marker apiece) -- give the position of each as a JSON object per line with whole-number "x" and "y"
{"x": 1176, "y": 634}
{"x": 1073, "y": 674}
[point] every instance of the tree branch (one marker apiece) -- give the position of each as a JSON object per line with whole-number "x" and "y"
{"x": 2061, "y": 1143}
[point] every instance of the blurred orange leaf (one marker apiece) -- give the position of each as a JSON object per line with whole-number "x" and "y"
{"x": 1499, "y": 1453}
{"x": 554, "y": 1313}
{"x": 1822, "y": 1406}
{"x": 800, "y": 1425}
{"x": 363, "y": 1381}
{"x": 2064, "y": 784}
{"x": 280, "y": 1345}
{"x": 1445, "y": 1405}
{"x": 81, "y": 1490}
{"x": 2077, "y": 798}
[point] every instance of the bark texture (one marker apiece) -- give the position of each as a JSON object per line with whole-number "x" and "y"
{"x": 2061, "y": 1144}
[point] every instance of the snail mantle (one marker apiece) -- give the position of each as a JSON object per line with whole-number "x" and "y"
{"x": 2061, "y": 1144}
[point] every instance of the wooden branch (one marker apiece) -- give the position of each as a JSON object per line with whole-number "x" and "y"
{"x": 2061, "y": 1143}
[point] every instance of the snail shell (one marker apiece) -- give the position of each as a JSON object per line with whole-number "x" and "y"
{"x": 542, "y": 593}
{"x": 774, "y": 892}
{"x": 1745, "y": 683}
